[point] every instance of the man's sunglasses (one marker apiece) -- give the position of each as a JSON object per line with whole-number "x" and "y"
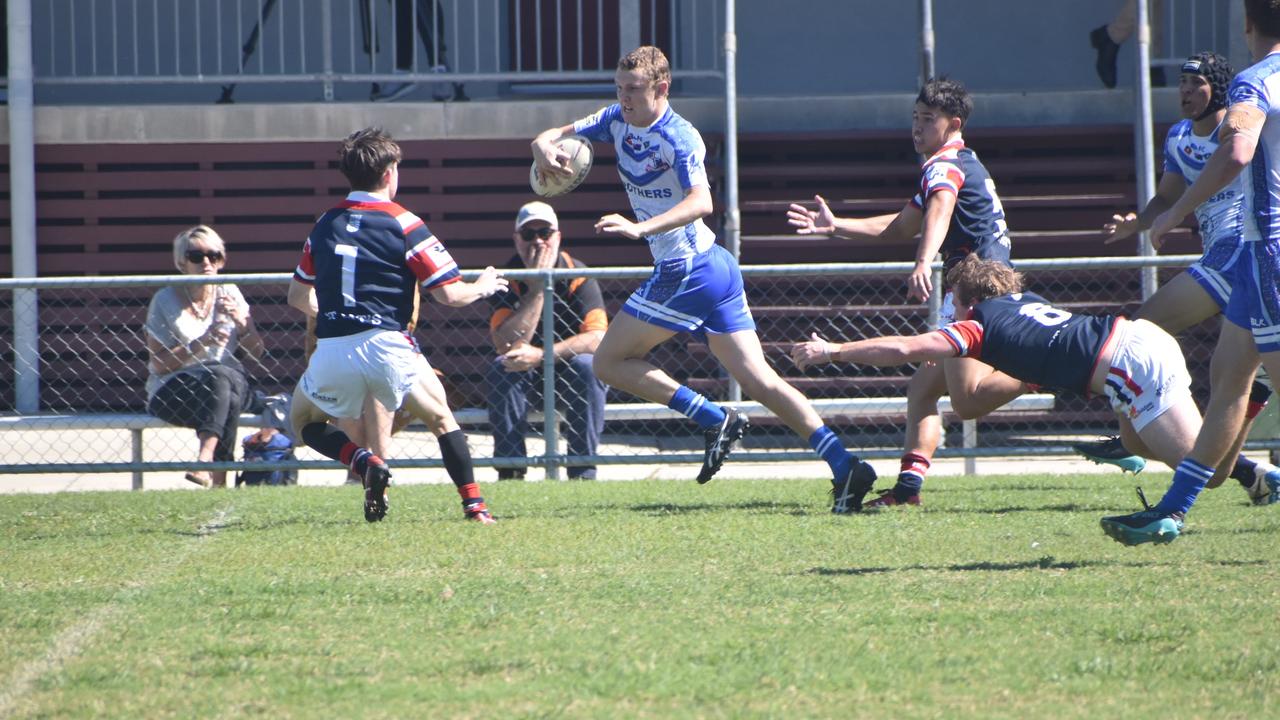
{"x": 541, "y": 233}
{"x": 198, "y": 256}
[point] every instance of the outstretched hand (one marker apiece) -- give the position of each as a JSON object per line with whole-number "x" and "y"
{"x": 812, "y": 353}
{"x": 920, "y": 283}
{"x": 615, "y": 224}
{"x": 1120, "y": 227}
{"x": 812, "y": 222}
{"x": 491, "y": 282}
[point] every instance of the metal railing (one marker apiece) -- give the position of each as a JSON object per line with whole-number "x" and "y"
{"x": 91, "y": 360}
{"x": 360, "y": 41}
{"x": 1181, "y": 28}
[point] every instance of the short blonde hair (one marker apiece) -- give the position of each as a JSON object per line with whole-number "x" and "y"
{"x": 182, "y": 243}
{"x": 973, "y": 280}
{"x": 648, "y": 61}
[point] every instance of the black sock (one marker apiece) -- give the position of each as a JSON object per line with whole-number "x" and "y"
{"x": 325, "y": 439}
{"x": 335, "y": 444}
{"x": 457, "y": 458}
{"x": 1243, "y": 471}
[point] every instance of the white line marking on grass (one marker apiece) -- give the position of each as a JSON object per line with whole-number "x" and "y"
{"x": 75, "y": 638}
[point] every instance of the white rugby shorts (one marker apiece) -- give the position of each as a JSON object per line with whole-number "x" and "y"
{"x": 947, "y": 311}
{"x": 343, "y": 370}
{"x": 1148, "y": 374}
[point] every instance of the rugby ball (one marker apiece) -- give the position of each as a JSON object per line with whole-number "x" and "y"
{"x": 579, "y": 151}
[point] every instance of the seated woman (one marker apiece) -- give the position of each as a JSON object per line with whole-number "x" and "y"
{"x": 192, "y": 335}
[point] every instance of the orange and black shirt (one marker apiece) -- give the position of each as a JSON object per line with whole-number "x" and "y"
{"x": 579, "y": 304}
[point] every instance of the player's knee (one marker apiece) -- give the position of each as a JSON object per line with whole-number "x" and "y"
{"x": 605, "y": 367}
{"x": 966, "y": 408}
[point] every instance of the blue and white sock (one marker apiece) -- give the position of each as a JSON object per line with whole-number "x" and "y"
{"x": 1188, "y": 480}
{"x": 827, "y": 445}
{"x": 696, "y": 407}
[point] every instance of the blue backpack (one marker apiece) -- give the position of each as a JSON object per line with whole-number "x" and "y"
{"x": 267, "y": 445}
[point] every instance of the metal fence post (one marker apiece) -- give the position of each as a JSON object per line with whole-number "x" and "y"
{"x": 969, "y": 430}
{"x": 22, "y": 207}
{"x": 935, "y": 297}
{"x": 732, "y": 215}
{"x": 326, "y": 35}
{"x": 1142, "y": 128}
{"x": 135, "y": 454}
{"x": 550, "y": 428}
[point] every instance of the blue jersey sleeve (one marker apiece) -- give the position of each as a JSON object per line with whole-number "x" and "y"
{"x": 1246, "y": 89}
{"x": 598, "y": 125}
{"x": 688, "y": 160}
{"x": 1170, "y": 144}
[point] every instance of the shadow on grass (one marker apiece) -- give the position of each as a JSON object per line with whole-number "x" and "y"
{"x": 940, "y": 486}
{"x": 1047, "y": 562}
{"x": 1064, "y": 507}
{"x": 757, "y": 506}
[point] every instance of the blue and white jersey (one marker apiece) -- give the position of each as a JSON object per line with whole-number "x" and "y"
{"x": 657, "y": 165}
{"x": 1259, "y": 86}
{"x": 1185, "y": 154}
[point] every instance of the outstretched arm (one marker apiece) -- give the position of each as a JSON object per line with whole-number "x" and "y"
{"x": 1237, "y": 142}
{"x": 902, "y": 225}
{"x": 881, "y": 352}
{"x": 695, "y": 206}
{"x": 1171, "y": 187}
{"x": 461, "y": 294}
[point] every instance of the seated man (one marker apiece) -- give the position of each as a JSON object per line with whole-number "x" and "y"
{"x": 1023, "y": 340}
{"x": 515, "y": 329}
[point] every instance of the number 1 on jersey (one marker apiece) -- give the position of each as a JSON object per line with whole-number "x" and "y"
{"x": 348, "y": 255}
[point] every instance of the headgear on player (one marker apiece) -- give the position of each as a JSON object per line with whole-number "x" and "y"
{"x": 1217, "y": 71}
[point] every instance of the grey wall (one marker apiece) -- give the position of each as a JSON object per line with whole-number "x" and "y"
{"x": 855, "y": 46}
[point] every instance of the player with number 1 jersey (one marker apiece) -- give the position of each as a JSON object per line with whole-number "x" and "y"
{"x": 356, "y": 277}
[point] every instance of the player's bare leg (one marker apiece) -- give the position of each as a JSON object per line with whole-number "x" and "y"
{"x": 977, "y": 389}
{"x": 315, "y": 428}
{"x": 741, "y": 354}
{"x": 1169, "y": 437}
{"x": 427, "y": 402}
{"x": 1178, "y": 304}
{"x": 924, "y": 434}
{"x": 619, "y": 360}
{"x": 1175, "y": 306}
{"x": 1231, "y": 371}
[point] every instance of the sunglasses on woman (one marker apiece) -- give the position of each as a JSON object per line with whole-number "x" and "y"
{"x": 198, "y": 256}
{"x": 541, "y": 233}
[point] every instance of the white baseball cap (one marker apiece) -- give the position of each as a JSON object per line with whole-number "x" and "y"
{"x": 536, "y": 210}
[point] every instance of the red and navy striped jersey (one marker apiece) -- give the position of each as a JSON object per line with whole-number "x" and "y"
{"x": 363, "y": 258}
{"x": 1024, "y": 336}
{"x": 977, "y": 223}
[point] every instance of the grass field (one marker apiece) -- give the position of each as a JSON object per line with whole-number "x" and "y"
{"x": 1002, "y": 598}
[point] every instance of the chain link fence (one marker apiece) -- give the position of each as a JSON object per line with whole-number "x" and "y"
{"x": 87, "y": 378}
